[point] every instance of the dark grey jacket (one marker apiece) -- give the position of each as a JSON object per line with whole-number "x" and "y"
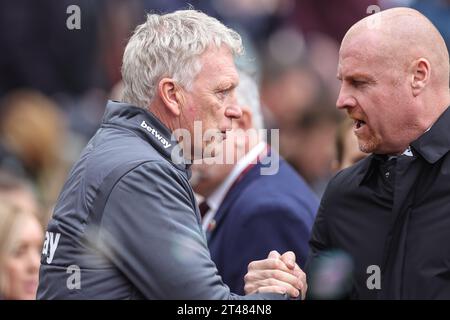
{"x": 126, "y": 224}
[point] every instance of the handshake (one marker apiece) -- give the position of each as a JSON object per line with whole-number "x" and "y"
{"x": 277, "y": 274}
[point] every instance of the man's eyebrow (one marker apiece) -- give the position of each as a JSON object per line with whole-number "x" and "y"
{"x": 356, "y": 76}
{"x": 228, "y": 85}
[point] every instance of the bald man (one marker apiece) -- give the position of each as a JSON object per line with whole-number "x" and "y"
{"x": 390, "y": 213}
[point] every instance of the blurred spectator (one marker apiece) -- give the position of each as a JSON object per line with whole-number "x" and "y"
{"x": 309, "y": 146}
{"x": 257, "y": 18}
{"x": 21, "y": 237}
{"x": 286, "y": 92}
{"x": 242, "y": 205}
{"x": 347, "y": 147}
{"x": 40, "y": 52}
{"x": 20, "y": 193}
{"x": 117, "y": 19}
{"x": 297, "y": 102}
{"x": 9, "y": 162}
{"x": 33, "y": 129}
{"x": 76, "y": 67}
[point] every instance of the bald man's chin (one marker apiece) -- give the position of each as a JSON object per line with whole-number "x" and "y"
{"x": 368, "y": 146}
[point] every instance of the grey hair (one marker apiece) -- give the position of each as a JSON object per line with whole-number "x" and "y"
{"x": 247, "y": 94}
{"x": 170, "y": 45}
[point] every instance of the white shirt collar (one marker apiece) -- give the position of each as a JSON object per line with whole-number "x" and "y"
{"x": 216, "y": 198}
{"x": 408, "y": 151}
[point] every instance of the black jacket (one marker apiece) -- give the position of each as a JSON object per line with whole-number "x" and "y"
{"x": 126, "y": 224}
{"x": 394, "y": 214}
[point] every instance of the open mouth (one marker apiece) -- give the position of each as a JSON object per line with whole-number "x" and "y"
{"x": 359, "y": 124}
{"x": 218, "y": 137}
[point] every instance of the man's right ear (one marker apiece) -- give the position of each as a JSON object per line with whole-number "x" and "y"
{"x": 171, "y": 95}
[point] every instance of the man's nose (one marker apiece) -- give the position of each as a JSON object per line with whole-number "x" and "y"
{"x": 233, "y": 111}
{"x": 344, "y": 100}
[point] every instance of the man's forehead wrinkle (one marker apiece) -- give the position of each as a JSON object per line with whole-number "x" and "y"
{"x": 224, "y": 70}
{"x": 354, "y": 61}
{"x": 368, "y": 50}
{"x": 229, "y": 76}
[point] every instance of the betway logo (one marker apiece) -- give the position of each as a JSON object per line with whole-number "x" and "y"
{"x": 156, "y": 134}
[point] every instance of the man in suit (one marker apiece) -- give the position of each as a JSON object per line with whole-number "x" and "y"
{"x": 247, "y": 211}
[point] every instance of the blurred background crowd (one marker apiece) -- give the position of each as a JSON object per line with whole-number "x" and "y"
{"x": 54, "y": 83}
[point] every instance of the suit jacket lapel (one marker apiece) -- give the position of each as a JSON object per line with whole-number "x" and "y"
{"x": 229, "y": 199}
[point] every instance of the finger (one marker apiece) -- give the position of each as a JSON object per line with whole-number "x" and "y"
{"x": 273, "y": 255}
{"x": 289, "y": 289}
{"x": 304, "y": 291}
{"x": 302, "y": 283}
{"x": 257, "y": 275}
{"x": 268, "y": 264}
{"x": 298, "y": 272}
{"x": 271, "y": 289}
{"x": 249, "y": 288}
{"x": 289, "y": 259}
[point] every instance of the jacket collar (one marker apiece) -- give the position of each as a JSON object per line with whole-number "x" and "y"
{"x": 435, "y": 143}
{"x": 367, "y": 167}
{"x": 144, "y": 124}
{"x": 431, "y": 145}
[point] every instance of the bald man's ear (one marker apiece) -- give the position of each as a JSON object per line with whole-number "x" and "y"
{"x": 171, "y": 95}
{"x": 421, "y": 72}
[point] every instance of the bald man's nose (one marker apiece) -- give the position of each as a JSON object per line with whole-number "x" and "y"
{"x": 344, "y": 100}
{"x": 233, "y": 111}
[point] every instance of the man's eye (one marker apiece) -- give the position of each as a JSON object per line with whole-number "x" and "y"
{"x": 357, "y": 83}
{"x": 223, "y": 94}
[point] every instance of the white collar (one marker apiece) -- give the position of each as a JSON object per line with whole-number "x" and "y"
{"x": 216, "y": 198}
{"x": 408, "y": 151}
